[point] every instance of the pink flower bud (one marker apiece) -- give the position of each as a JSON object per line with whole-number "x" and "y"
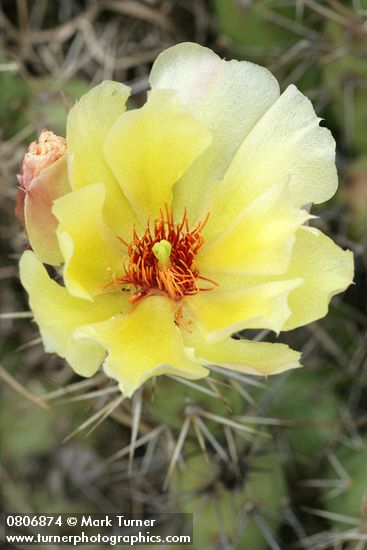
{"x": 42, "y": 179}
{"x": 40, "y": 155}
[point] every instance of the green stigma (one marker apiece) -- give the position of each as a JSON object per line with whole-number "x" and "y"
{"x": 162, "y": 251}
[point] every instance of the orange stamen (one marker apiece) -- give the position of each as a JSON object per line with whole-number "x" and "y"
{"x": 181, "y": 277}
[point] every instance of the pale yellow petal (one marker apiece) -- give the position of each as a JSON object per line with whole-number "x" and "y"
{"x": 258, "y": 241}
{"x": 92, "y": 253}
{"x": 286, "y": 142}
{"x": 323, "y": 268}
{"x": 149, "y": 149}
{"x": 326, "y": 270}
{"x": 143, "y": 343}
{"x": 220, "y": 312}
{"x": 88, "y": 124}
{"x": 228, "y": 96}
{"x": 58, "y": 314}
{"x": 261, "y": 358}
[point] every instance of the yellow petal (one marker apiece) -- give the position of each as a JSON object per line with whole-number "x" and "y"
{"x": 148, "y": 149}
{"x": 220, "y": 312}
{"x": 41, "y": 224}
{"x": 88, "y": 124}
{"x": 323, "y": 268}
{"x": 58, "y": 314}
{"x": 326, "y": 270}
{"x": 141, "y": 344}
{"x": 258, "y": 241}
{"x": 287, "y": 141}
{"x": 261, "y": 358}
{"x": 228, "y": 96}
{"x": 92, "y": 254}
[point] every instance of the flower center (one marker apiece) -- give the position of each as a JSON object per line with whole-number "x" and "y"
{"x": 162, "y": 260}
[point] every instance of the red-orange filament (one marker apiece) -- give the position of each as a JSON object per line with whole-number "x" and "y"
{"x": 180, "y": 277}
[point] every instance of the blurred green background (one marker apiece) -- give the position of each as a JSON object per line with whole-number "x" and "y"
{"x": 278, "y": 463}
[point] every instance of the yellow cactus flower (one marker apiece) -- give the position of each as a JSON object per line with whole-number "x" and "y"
{"x": 186, "y": 223}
